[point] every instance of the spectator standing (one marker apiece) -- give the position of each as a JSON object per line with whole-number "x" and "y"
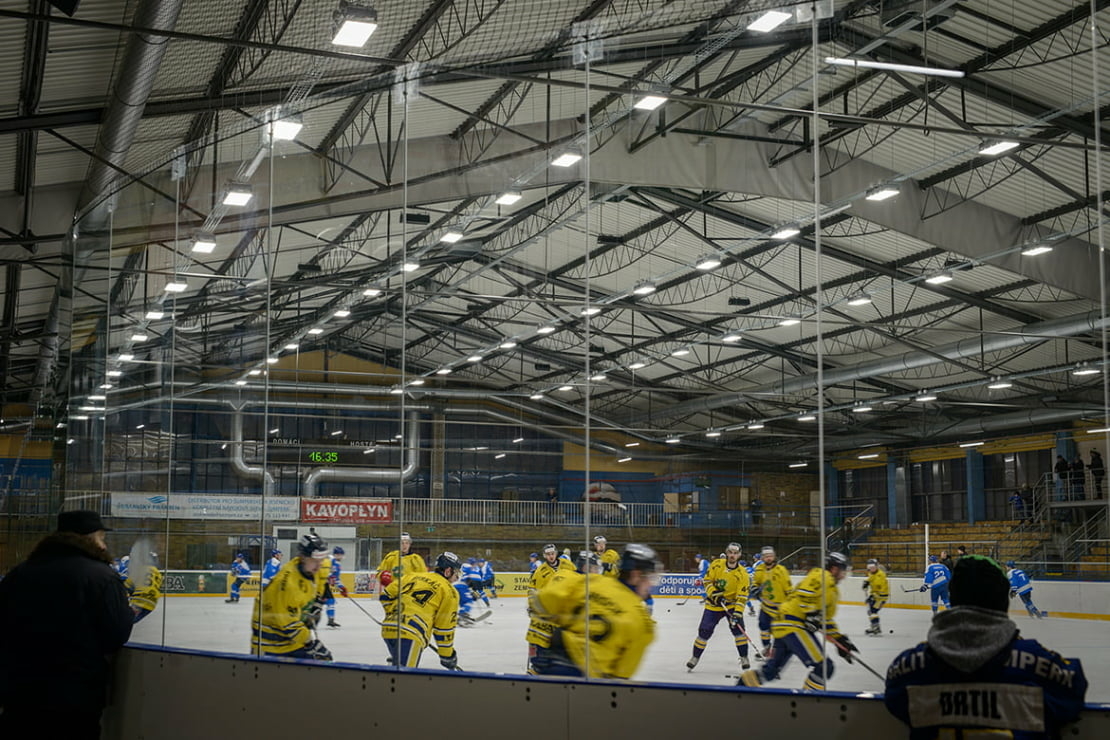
{"x": 975, "y": 671}
{"x": 1063, "y": 474}
{"x": 1017, "y": 506}
{"x": 1098, "y": 472}
{"x": 946, "y": 560}
{"x": 756, "y": 507}
{"x": 63, "y": 615}
{"x": 1078, "y": 482}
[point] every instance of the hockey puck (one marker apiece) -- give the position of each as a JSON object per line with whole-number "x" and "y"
{"x": 668, "y": 611}
{"x": 892, "y": 632}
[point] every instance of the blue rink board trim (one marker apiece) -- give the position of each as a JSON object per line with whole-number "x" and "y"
{"x": 517, "y": 677}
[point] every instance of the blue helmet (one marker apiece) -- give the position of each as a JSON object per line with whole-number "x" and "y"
{"x": 337, "y": 550}
{"x": 698, "y": 556}
{"x": 471, "y": 561}
{"x": 933, "y": 559}
{"x": 275, "y": 553}
{"x": 534, "y": 555}
{"x": 1010, "y": 564}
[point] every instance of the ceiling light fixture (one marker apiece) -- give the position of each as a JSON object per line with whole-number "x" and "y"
{"x": 417, "y": 381}
{"x": 861, "y": 408}
{"x": 807, "y": 417}
{"x": 114, "y": 373}
{"x": 372, "y": 292}
{"x": 624, "y": 459}
{"x": 754, "y": 426}
{"x": 644, "y": 288}
{"x": 410, "y": 265}
{"x": 590, "y": 311}
{"x": 991, "y": 148}
{"x": 787, "y": 232}
{"x": 732, "y": 336}
{"x": 155, "y": 315}
{"x": 204, "y": 244}
{"x": 536, "y": 396}
{"x": 354, "y": 25}
{"x": 789, "y": 321}
{"x": 139, "y": 337}
{"x": 256, "y": 371}
{"x": 926, "y": 397}
{"x": 681, "y": 352}
{"x": 637, "y": 365}
{"x": 499, "y": 455}
{"x": 769, "y": 21}
{"x": 940, "y": 278}
{"x": 567, "y": 159}
{"x": 342, "y": 313}
{"x": 885, "y": 192}
{"x": 126, "y": 357}
{"x": 240, "y": 382}
{"x": 508, "y": 198}
{"x": 287, "y": 127}
{"x": 566, "y": 388}
{"x": 507, "y": 344}
{"x": 1100, "y": 430}
{"x": 972, "y": 444}
{"x": 1036, "y": 250}
{"x": 631, "y": 444}
{"x": 1085, "y": 369}
{"x": 474, "y": 358}
{"x": 713, "y": 433}
{"x": 1000, "y": 384}
{"x": 546, "y": 329}
{"x": 869, "y": 456}
{"x": 861, "y": 299}
{"x": 452, "y": 237}
{"x": 315, "y": 331}
{"x": 798, "y": 465}
{"x": 672, "y": 440}
{"x": 444, "y": 371}
{"x": 176, "y": 286}
{"x": 708, "y": 262}
{"x": 599, "y": 378}
{"x": 518, "y": 440}
{"x": 650, "y": 101}
{"x": 271, "y": 360}
{"x": 292, "y": 346}
{"x": 237, "y": 194}
{"x": 894, "y": 67}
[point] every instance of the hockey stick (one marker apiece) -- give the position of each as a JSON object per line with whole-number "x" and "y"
{"x": 855, "y": 658}
{"x": 355, "y": 602}
{"x": 911, "y": 590}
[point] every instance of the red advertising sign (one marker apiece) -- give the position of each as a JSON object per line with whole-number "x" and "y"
{"x": 346, "y": 511}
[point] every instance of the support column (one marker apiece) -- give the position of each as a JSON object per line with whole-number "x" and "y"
{"x": 895, "y": 493}
{"x": 832, "y": 496}
{"x": 976, "y": 496}
{"x": 439, "y": 431}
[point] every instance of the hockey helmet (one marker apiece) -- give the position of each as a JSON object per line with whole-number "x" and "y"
{"x": 744, "y": 563}
{"x": 639, "y": 557}
{"x": 733, "y": 547}
{"x": 337, "y": 550}
{"x": 550, "y": 548}
{"x": 534, "y": 555}
{"x": 933, "y": 559}
{"x": 767, "y": 550}
{"x": 1010, "y": 564}
{"x": 600, "y": 538}
{"x": 312, "y": 546}
{"x": 448, "y": 560}
{"x": 836, "y": 560}
{"x": 406, "y": 536}
{"x": 873, "y": 563}
{"x": 698, "y": 556}
{"x": 471, "y": 561}
{"x": 275, "y": 553}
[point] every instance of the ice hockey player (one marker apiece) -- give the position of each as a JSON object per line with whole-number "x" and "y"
{"x": 533, "y": 562}
{"x": 937, "y": 576}
{"x": 540, "y": 631}
{"x": 772, "y": 586}
{"x": 489, "y": 580}
{"x": 273, "y": 565}
{"x": 400, "y": 562}
{"x": 240, "y": 572}
{"x": 472, "y": 576}
{"x": 811, "y": 607}
{"x": 467, "y": 599}
{"x": 144, "y": 589}
{"x": 124, "y": 565}
{"x": 610, "y": 559}
{"x": 617, "y": 603}
{"x": 726, "y": 592}
{"x": 753, "y": 598}
{"x": 878, "y": 593}
{"x": 335, "y": 584}
{"x": 421, "y": 607}
{"x": 1020, "y": 585}
{"x": 975, "y": 676}
{"x": 288, "y": 610}
{"x": 703, "y": 567}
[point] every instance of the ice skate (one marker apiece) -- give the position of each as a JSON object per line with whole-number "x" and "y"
{"x": 465, "y": 620}
{"x": 758, "y": 654}
{"x": 745, "y": 663}
{"x": 333, "y": 623}
{"x": 874, "y": 630}
{"x": 692, "y": 663}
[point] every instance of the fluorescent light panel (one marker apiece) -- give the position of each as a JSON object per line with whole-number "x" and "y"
{"x": 769, "y": 21}
{"x": 238, "y": 194}
{"x": 786, "y": 233}
{"x": 709, "y": 262}
{"x": 893, "y": 67}
{"x": 566, "y": 159}
{"x": 859, "y": 300}
{"x": 882, "y": 194}
{"x": 508, "y": 198}
{"x": 1034, "y": 251}
{"x": 998, "y": 147}
{"x": 939, "y": 279}
{"x": 972, "y": 444}
{"x": 798, "y": 465}
{"x": 286, "y": 129}
{"x": 649, "y": 102}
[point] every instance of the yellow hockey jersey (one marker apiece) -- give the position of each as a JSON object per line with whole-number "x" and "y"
{"x": 611, "y": 558}
{"x": 878, "y": 584}
{"x": 540, "y": 631}
{"x": 411, "y": 563}
{"x": 146, "y": 594}
{"x": 422, "y": 607}
{"x": 732, "y": 583}
{"x": 774, "y": 583}
{"x": 277, "y": 624}
{"x": 806, "y": 601}
{"x": 615, "y": 621}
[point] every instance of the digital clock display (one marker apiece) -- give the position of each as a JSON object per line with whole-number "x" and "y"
{"x": 323, "y": 456}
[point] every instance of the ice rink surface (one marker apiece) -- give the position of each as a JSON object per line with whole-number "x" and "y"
{"x": 496, "y": 645}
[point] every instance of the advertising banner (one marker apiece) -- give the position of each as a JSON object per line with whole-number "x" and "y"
{"x": 203, "y": 506}
{"x": 346, "y": 510}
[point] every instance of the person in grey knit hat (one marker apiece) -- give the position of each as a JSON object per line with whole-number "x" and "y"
{"x": 975, "y": 670}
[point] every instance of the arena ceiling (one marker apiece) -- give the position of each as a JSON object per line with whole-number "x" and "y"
{"x": 454, "y": 102}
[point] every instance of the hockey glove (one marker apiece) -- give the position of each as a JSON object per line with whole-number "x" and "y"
{"x": 923, "y": 588}
{"x": 845, "y": 647}
{"x": 450, "y": 662}
{"x": 715, "y": 600}
{"x": 316, "y": 651}
{"x": 341, "y": 589}
{"x": 698, "y": 582}
{"x": 312, "y": 614}
{"x": 866, "y": 585}
{"x": 753, "y": 595}
{"x": 1013, "y": 593}
{"x": 814, "y": 623}
{"x": 606, "y": 567}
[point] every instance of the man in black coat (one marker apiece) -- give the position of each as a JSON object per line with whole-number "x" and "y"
{"x": 63, "y": 615}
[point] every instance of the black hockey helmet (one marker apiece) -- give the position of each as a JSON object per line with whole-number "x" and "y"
{"x": 639, "y": 557}
{"x": 836, "y": 559}
{"x": 312, "y": 546}
{"x": 448, "y": 560}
